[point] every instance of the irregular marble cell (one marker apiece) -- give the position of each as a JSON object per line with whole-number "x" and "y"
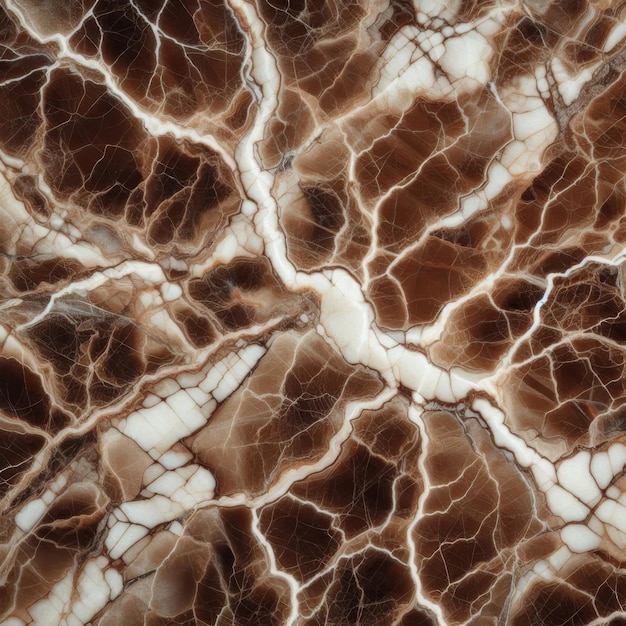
{"x": 312, "y": 312}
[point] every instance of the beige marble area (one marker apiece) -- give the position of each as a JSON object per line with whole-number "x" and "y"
{"x": 313, "y": 312}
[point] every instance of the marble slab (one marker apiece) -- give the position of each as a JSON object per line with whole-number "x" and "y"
{"x": 313, "y": 312}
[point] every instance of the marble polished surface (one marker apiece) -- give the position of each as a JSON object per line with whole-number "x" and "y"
{"x": 313, "y": 312}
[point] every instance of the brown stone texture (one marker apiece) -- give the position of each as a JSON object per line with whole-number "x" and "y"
{"x": 312, "y": 312}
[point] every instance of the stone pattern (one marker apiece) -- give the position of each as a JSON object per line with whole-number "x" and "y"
{"x": 312, "y": 312}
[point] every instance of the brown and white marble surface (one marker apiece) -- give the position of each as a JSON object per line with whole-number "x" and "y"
{"x": 313, "y": 312}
